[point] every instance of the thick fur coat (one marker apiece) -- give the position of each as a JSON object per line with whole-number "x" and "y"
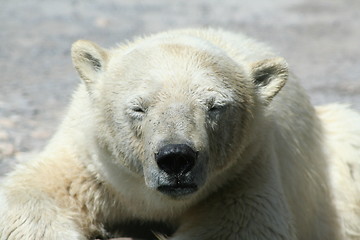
{"x": 203, "y": 132}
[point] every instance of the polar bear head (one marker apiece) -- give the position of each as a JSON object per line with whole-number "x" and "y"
{"x": 176, "y": 112}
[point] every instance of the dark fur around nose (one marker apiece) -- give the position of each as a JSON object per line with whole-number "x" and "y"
{"x": 176, "y": 159}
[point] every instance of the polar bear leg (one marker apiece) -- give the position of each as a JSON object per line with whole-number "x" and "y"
{"x": 34, "y": 216}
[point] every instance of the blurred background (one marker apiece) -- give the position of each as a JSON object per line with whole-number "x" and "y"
{"x": 320, "y": 40}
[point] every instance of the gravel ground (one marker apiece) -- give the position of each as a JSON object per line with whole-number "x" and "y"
{"x": 320, "y": 39}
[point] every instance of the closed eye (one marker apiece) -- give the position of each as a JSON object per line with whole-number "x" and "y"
{"x": 216, "y": 108}
{"x": 138, "y": 109}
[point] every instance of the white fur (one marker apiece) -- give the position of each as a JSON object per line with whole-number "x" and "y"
{"x": 270, "y": 165}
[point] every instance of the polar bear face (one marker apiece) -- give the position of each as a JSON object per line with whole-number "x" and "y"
{"x": 176, "y": 114}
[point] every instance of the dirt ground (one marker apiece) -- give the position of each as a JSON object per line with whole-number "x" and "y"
{"x": 320, "y": 40}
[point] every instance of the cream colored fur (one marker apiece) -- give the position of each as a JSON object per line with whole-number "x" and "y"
{"x": 269, "y": 166}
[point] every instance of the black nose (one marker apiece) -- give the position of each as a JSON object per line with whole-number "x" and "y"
{"x": 176, "y": 159}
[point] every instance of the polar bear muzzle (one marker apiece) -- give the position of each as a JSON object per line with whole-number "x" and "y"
{"x": 176, "y": 161}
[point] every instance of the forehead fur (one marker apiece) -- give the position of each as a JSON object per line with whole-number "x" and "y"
{"x": 175, "y": 67}
{"x": 176, "y": 58}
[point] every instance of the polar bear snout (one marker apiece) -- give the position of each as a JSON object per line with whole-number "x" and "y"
{"x": 180, "y": 170}
{"x": 176, "y": 159}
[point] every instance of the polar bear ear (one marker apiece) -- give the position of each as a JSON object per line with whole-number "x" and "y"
{"x": 89, "y": 59}
{"x": 269, "y": 75}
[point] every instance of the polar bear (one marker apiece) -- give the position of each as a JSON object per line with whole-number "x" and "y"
{"x": 194, "y": 133}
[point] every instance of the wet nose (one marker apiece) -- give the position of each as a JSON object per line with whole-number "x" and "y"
{"x": 176, "y": 159}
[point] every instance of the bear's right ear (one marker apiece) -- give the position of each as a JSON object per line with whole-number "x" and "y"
{"x": 269, "y": 75}
{"x": 89, "y": 59}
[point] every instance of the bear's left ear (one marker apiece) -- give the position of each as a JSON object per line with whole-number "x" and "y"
{"x": 269, "y": 75}
{"x": 89, "y": 60}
